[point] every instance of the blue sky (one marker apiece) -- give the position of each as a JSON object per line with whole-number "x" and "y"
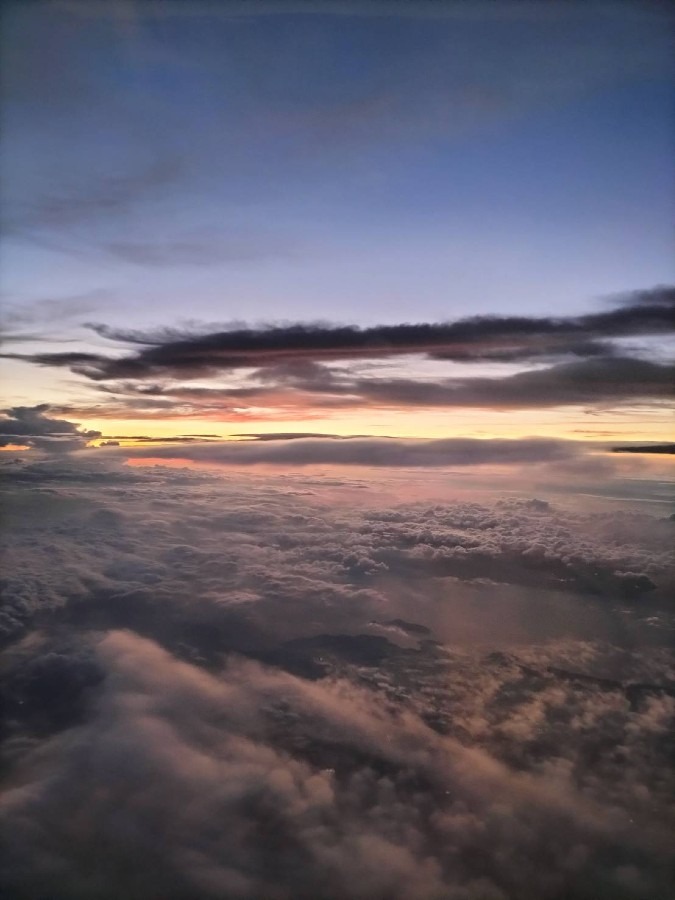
{"x": 437, "y": 164}
{"x": 350, "y": 162}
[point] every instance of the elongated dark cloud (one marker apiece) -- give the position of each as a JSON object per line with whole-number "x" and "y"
{"x": 368, "y": 452}
{"x": 30, "y": 426}
{"x": 174, "y": 439}
{"x": 646, "y": 448}
{"x": 589, "y": 381}
{"x": 169, "y": 354}
{"x": 295, "y": 436}
{"x": 615, "y": 380}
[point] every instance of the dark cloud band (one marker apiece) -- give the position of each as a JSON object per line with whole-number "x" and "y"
{"x": 172, "y": 354}
{"x": 381, "y": 452}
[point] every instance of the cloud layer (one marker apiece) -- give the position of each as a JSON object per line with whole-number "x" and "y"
{"x": 388, "y": 452}
{"x": 293, "y": 687}
{"x": 237, "y": 806}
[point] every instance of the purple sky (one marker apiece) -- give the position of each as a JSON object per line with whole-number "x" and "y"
{"x": 173, "y": 165}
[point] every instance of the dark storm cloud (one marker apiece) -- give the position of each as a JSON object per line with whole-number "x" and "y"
{"x": 29, "y": 425}
{"x": 170, "y": 355}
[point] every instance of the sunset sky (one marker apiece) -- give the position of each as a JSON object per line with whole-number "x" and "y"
{"x": 337, "y": 452}
{"x": 196, "y": 195}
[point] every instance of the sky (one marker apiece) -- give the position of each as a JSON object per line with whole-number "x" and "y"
{"x": 178, "y": 171}
{"x": 336, "y": 450}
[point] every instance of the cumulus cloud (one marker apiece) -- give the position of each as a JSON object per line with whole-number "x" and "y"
{"x": 271, "y": 555}
{"x": 265, "y": 785}
{"x": 30, "y": 426}
{"x": 257, "y": 686}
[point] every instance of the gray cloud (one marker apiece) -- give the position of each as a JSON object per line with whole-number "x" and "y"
{"x": 289, "y": 357}
{"x": 311, "y": 790}
{"x": 255, "y": 686}
{"x": 29, "y": 425}
{"x": 603, "y": 381}
{"x": 311, "y": 388}
{"x": 646, "y": 448}
{"x": 371, "y": 452}
{"x": 486, "y": 337}
{"x": 283, "y": 541}
{"x": 174, "y": 439}
{"x": 295, "y": 435}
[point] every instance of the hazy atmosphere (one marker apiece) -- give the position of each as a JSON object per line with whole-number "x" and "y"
{"x": 336, "y": 450}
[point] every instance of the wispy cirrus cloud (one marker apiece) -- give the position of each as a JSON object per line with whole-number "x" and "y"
{"x": 86, "y": 200}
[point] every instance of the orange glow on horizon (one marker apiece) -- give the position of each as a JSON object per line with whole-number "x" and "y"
{"x": 170, "y": 463}
{"x": 8, "y": 448}
{"x": 562, "y": 424}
